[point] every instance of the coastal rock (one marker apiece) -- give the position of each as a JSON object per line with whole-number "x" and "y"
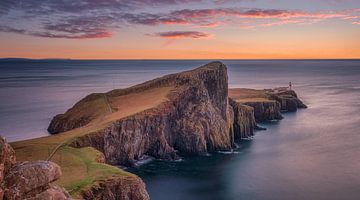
{"x": 28, "y": 180}
{"x": 195, "y": 119}
{"x": 266, "y": 110}
{"x": 244, "y": 120}
{"x": 288, "y": 99}
{"x": 269, "y": 103}
{"x": 117, "y": 188}
{"x": 7, "y": 160}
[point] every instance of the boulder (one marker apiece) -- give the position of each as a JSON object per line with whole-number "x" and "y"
{"x": 7, "y": 160}
{"x": 28, "y": 179}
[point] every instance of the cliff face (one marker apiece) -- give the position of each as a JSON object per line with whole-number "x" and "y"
{"x": 268, "y": 104}
{"x": 195, "y": 119}
{"x": 265, "y": 110}
{"x": 244, "y": 120}
{"x": 185, "y": 113}
{"x": 28, "y": 180}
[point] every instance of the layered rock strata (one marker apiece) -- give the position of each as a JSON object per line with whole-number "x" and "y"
{"x": 244, "y": 122}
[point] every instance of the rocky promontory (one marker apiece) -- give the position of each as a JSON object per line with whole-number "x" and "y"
{"x": 268, "y": 104}
{"x": 187, "y": 113}
{"x": 194, "y": 118}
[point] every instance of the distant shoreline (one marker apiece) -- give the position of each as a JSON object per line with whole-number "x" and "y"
{"x": 205, "y": 59}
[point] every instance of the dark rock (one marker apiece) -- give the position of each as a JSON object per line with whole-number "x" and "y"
{"x": 266, "y": 110}
{"x": 244, "y": 120}
{"x": 288, "y": 99}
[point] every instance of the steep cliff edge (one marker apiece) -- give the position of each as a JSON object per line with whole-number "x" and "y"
{"x": 194, "y": 117}
{"x": 244, "y": 122}
{"x": 268, "y": 104}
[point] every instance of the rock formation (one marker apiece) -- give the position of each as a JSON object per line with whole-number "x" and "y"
{"x": 188, "y": 113}
{"x": 287, "y": 99}
{"x": 195, "y": 119}
{"x": 244, "y": 122}
{"x": 265, "y": 110}
{"x": 28, "y": 180}
{"x": 268, "y": 104}
{"x": 117, "y": 188}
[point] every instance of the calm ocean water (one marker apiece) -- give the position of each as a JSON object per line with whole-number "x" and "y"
{"x": 311, "y": 154}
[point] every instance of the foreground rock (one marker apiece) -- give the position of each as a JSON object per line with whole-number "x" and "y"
{"x": 7, "y": 160}
{"x": 28, "y": 180}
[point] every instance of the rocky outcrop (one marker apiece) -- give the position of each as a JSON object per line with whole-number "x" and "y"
{"x": 244, "y": 122}
{"x": 28, "y": 180}
{"x": 195, "y": 120}
{"x": 268, "y": 104}
{"x": 288, "y": 99}
{"x": 117, "y": 188}
{"x": 7, "y": 160}
{"x": 265, "y": 110}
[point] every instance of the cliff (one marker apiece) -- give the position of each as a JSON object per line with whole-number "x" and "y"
{"x": 28, "y": 180}
{"x": 193, "y": 118}
{"x": 268, "y": 104}
{"x": 244, "y": 122}
{"x": 187, "y": 113}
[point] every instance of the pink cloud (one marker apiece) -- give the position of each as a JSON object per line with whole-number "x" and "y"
{"x": 181, "y": 34}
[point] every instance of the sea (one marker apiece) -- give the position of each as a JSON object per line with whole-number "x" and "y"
{"x": 311, "y": 154}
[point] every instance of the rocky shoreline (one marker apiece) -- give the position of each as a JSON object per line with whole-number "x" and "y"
{"x": 193, "y": 113}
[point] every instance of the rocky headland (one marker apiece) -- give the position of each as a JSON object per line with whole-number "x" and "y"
{"x": 188, "y": 113}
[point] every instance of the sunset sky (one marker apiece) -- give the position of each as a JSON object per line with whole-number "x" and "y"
{"x": 180, "y": 29}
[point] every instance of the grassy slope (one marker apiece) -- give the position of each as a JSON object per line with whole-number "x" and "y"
{"x": 243, "y": 95}
{"x": 79, "y": 166}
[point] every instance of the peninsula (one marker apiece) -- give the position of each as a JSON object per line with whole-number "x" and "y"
{"x": 183, "y": 114}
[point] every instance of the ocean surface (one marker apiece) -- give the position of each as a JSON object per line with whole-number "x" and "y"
{"x": 311, "y": 154}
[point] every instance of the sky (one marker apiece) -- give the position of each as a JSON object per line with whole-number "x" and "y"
{"x": 180, "y": 29}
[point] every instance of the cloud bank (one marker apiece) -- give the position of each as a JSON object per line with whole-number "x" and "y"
{"x": 86, "y": 19}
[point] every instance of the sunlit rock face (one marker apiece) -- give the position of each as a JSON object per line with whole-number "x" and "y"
{"x": 28, "y": 180}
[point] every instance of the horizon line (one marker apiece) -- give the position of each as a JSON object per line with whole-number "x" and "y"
{"x": 21, "y": 58}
